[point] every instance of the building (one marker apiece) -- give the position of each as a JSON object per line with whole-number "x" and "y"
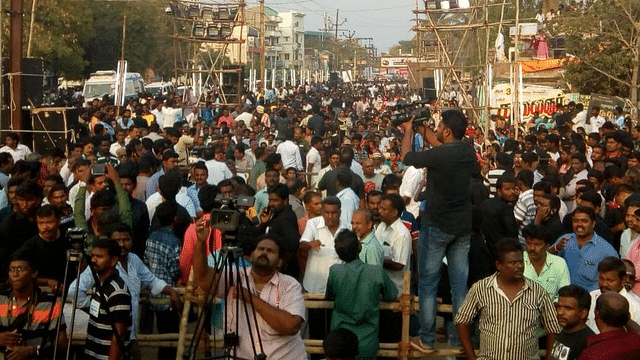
{"x": 292, "y": 40}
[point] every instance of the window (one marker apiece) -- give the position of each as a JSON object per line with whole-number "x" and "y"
{"x": 286, "y": 56}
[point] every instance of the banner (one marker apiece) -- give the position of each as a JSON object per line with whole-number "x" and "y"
{"x": 121, "y": 77}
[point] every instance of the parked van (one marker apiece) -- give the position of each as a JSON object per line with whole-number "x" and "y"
{"x": 160, "y": 88}
{"x": 103, "y": 82}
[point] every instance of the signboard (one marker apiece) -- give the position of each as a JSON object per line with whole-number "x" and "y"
{"x": 397, "y": 62}
{"x": 607, "y": 104}
{"x": 542, "y": 99}
{"x": 121, "y": 77}
{"x": 526, "y": 29}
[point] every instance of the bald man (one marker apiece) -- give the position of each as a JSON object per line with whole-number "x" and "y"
{"x": 614, "y": 341}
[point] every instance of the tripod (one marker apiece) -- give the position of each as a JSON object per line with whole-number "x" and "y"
{"x": 230, "y": 273}
{"x": 73, "y": 256}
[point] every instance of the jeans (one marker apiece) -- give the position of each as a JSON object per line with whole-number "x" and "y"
{"x": 432, "y": 248}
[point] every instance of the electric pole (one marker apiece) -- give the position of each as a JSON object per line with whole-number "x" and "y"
{"x": 262, "y": 46}
{"x": 337, "y": 46}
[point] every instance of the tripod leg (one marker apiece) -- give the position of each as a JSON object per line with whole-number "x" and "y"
{"x": 73, "y": 310}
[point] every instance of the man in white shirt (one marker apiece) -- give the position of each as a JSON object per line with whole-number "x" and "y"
{"x": 349, "y": 201}
{"x": 314, "y": 161}
{"x": 581, "y": 118}
{"x": 410, "y": 186}
{"x": 395, "y": 238}
{"x": 159, "y": 116}
{"x": 246, "y": 117}
{"x": 170, "y": 113}
{"x": 612, "y": 275}
{"x": 596, "y": 119}
{"x": 579, "y": 166}
{"x": 12, "y": 146}
{"x": 218, "y": 170}
{"x": 317, "y": 245}
{"x": 290, "y": 153}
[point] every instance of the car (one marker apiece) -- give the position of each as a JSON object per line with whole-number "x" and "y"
{"x": 160, "y": 88}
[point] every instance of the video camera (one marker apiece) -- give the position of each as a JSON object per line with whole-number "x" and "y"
{"x": 76, "y": 237}
{"x": 228, "y": 217}
{"x": 404, "y": 112}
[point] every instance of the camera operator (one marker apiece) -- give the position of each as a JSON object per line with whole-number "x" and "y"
{"x": 276, "y": 299}
{"x": 446, "y": 223}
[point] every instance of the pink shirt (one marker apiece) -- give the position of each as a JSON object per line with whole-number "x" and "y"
{"x": 634, "y": 255}
{"x": 285, "y": 293}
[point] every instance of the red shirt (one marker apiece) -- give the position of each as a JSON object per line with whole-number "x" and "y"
{"x": 189, "y": 245}
{"x": 617, "y": 344}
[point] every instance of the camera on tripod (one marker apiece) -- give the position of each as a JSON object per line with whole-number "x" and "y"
{"x": 227, "y": 217}
{"x": 404, "y": 112}
{"x": 76, "y": 237}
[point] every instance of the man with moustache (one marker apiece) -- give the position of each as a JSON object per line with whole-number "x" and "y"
{"x": 572, "y": 310}
{"x": 110, "y": 306}
{"x": 507, "y": 303}
{"x": 583, "y": 249}
{"x": 612, "y": 275}
{"x": 275, "y": 298}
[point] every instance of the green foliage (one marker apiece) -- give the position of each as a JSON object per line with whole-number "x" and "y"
{"x": 75, "y": 38}
{"x": 605, "y": 38}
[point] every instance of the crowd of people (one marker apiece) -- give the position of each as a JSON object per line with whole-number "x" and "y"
{"x": 533, "y": 230}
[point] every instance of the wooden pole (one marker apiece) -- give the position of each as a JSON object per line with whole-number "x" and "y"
{"x": 124, "y": 35}
{"x": 15, "y": 66}
{"x": 33, "y": 15}
{"x": 184, "y": 320}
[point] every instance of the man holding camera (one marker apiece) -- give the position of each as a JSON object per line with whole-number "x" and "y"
{"x": 275, "y": 298}
{"x": 446, "y": 223}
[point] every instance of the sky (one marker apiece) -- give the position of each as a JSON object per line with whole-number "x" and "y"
{"x": 387, "y": 22}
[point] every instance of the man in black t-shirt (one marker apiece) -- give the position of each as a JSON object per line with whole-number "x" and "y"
{"x": 446, "y": 223}
{"x": 49, "y": 248}
{"x": 573, "y": 307}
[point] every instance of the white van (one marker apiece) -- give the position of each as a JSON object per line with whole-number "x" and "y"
{"x": 103, "y": 82}
{"x": 160, "y": 88}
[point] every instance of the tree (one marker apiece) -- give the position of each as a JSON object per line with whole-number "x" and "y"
{"x": 605, "y": 38}
{"x": 403, "y": 47}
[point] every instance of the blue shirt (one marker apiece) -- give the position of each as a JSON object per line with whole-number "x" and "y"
{"x": 123, "y": 125}
{"x": 372, "y": 252}
{"x": 192, "y": 193}
{"x": 583, "y": 261}
{"x": 135, "y": 277}
{"x": 261, "y": 200}
{"x": 152, "y": 182}
{"x": 162, "y": 255}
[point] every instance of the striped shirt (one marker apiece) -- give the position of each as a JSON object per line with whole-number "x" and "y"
{"x": 525, "y": 210}
{"x": 508, "y": 329}
{"x": 100, "y": 330}
{"x": 34, "y": 319}
{"x": 492, "y": 179}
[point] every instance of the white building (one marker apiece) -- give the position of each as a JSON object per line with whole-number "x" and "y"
{"x": 292, "y": 39}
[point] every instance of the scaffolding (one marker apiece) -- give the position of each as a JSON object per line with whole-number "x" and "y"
{"x": 453, "y": 42}
{"x": 207, "y": 41}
